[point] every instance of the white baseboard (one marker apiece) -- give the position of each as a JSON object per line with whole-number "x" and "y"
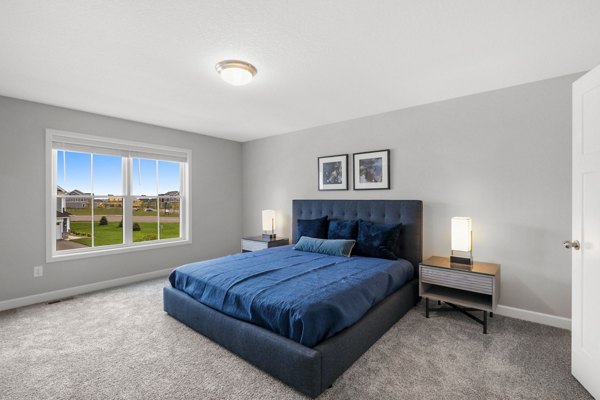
{"x": 533, "y": 316}
{"x": 74, "y": 291}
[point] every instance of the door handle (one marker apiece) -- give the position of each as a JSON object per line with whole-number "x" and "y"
{"x": 571, "y": 245}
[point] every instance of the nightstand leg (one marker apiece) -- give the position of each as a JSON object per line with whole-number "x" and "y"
{"x": 426, "y": 307}
{"x": 485, "y": 322}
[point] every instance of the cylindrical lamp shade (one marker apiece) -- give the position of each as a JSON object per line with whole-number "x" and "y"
{"x": 460, "y": 237}
{"x": 461, "y": 234}
{"x": 268, "y": 222}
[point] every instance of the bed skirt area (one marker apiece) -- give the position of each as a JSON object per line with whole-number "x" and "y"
{"x": 308, "y": 370}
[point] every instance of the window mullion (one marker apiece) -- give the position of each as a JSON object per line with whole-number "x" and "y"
{"x": 92, "y": 194}
{"x": 53, "y": 200}
{"x": 183, "y": 219}
{"x": 127, "y": 201}
{"x": 157, "y": 203}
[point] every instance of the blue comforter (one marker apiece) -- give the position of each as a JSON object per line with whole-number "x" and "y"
{"x": 306, "y": 297}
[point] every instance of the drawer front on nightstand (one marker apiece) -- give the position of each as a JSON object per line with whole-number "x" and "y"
{"x": 457, "y": 279}
{"x": 251, "y": 245}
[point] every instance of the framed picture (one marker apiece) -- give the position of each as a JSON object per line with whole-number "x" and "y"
{"x": 333, "y": 172}
{"x": 372, "y": 170}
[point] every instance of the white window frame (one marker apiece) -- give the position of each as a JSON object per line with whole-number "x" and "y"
{"x": 79, "y": 139}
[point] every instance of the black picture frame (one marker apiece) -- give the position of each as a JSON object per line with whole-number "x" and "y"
{"x": 371, "y": 170}
{"x": 332, "y": 172}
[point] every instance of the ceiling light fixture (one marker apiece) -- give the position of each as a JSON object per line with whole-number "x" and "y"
{"x": 235, "y": 72}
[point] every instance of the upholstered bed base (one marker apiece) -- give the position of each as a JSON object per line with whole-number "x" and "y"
{"x": 308, "y": 370}
{"x": 312, "y": 370}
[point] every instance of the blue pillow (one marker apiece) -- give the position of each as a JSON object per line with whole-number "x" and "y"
{"x": 343, "y": 229}
{"x": 377, "y": 240}
{"x": 314, "y": 228}
{"x": 335, "y": 247}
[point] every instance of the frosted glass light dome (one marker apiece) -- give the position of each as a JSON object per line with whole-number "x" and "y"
{"x": 235, "y": 72}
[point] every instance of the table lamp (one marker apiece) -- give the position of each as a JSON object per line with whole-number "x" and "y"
{"x": 268, "y": 224}
{"x": 461, "y": 238}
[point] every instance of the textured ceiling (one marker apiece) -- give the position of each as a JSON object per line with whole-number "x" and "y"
{"x": 318, "y": 62}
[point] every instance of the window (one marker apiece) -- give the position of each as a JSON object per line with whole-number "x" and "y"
{"x": 110, "y": 195}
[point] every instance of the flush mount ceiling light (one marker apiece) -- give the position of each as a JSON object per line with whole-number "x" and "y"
{"x": 235, "y": 72}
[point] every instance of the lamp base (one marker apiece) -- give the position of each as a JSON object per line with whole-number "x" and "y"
{"x": 269, "y": 236}
{"x": 461, "y": 262}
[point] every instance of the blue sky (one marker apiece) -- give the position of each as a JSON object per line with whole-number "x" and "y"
{"x": 76, "y": 174}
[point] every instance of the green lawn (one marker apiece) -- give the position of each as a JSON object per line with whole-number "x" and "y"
{"x": 118, "y": 211}
{"x": 112, "y": 234}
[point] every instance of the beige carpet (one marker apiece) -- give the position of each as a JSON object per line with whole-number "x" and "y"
{"x": 119, "y": 344}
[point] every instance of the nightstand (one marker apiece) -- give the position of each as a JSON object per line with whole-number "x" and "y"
{"x": 259, "y": 243}
{"x": 463, "y": 289}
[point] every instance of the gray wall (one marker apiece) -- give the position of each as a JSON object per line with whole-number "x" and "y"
{"x": 502, "y": 158}
{"x": 216, "y": 188}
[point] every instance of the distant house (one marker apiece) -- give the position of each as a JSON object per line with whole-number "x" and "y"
{"x": 63, "y": 224}
{"x": 111, "y": 202}
{"x": 81, "y": 201}
{"x": 61, "y": 202}
{"x": 169, "y": 201}
{"x": 75, "y": 199}
{"x": 63, "y": 220}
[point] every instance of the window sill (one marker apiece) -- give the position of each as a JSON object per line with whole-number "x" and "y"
{"x": 74, "y": 255}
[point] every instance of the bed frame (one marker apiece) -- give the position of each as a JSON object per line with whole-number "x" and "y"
{"x": 312, "y": 370}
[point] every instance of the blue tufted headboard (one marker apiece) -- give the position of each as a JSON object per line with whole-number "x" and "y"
{"x": 407, "y": 212}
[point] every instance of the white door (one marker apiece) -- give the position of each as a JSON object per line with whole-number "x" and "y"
{"x": 586, "y": 231}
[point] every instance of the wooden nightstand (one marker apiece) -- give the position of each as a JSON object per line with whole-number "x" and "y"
{"x": 475, "y": 289}
{"x": 259, "y": 243}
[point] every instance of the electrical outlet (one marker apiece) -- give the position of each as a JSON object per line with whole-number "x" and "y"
{"x": 38, "y": 271}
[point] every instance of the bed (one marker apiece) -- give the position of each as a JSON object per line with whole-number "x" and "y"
{"x": 308, "y": 361}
